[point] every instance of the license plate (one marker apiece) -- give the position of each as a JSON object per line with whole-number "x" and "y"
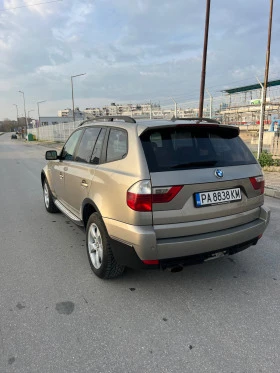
{"x": 217, "y": 197}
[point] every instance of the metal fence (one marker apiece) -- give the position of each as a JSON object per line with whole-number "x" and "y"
{"x": 275, "y": 146}
{"x": 56, "y": 132}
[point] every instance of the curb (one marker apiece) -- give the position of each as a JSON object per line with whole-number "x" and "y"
{"x": 272, "y": 192}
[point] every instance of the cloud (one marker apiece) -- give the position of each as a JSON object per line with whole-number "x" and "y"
{"x": 130, "y": 50}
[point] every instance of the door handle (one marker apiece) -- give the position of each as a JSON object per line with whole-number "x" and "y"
{"x": 61, "y": 175}
{"x": 84, "y": 184}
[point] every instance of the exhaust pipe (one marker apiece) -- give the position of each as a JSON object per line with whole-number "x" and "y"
{"x": 175, "y": 269}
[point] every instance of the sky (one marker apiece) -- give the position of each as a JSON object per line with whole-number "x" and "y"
{"x": 130, "y": 50}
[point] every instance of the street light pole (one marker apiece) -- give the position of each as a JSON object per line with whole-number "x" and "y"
{"x": 73, "y": 106}
{"x": 211, "y": 102}
{"x": 73, "y": 99}
{"x": 175, "y": 107}
{"x": 39, "y": 123}
{"x": 25, "y": 114}
{"x": 38, "y": 103}
{"x": 17, "y": 112}
{"x": 29, "y": 112}
{"x": 203, "y": 71}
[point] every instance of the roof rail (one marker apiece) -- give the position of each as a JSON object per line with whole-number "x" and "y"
{"x": 110, "y": 118}
{"x": 198, "y": 120}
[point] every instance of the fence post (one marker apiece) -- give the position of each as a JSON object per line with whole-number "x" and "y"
{"x": 63, "y": 128}
{"x": 59, "y": 131}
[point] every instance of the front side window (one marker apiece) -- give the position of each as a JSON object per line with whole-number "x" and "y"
{"x": 86, "y": 145}
{"x": 70, "y": 146}
{"x": 117, "y": 145}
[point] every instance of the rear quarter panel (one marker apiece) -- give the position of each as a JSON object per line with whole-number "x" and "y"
{"x": 112, "y": 181}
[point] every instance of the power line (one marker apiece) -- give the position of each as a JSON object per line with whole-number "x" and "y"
{"x": 29, "y": 5}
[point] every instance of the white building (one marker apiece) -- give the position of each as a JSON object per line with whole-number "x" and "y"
{"x": 68, "y": 113}
{"x": 97, "y": 112}
{"x": 64, "y": 113}
{"x": 135, "y": 110}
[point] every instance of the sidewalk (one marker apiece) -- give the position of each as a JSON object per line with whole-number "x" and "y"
{"x": 272, "y": 184}
{"x": 49, "y": 144}
{"x": 272, "y": 178}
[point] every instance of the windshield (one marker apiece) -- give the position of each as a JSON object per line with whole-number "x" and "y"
{"x": 176, "y": 148}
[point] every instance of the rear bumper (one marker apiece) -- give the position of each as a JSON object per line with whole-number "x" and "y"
{"x": 200, "y": 258}
{"x": 207, "y": 242}
{"x": 143, "y": 240}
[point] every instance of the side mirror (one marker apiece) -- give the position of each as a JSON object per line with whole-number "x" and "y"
{"x": 51, "y": 155}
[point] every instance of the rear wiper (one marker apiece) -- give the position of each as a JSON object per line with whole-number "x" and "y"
{"x": 190, "y": 164}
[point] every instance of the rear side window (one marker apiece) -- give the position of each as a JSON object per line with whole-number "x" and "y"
{"x": 117, "y": 145}
{"x": 190, "y": 147}
{"x": 86, "y": 145}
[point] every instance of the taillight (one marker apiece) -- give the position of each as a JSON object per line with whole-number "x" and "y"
{"x": 164, "y": 195}
{"x": 258, "y": 183}
{"x": 141, "y": 196}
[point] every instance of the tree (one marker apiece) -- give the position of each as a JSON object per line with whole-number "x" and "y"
{"x": 8, "y": 125}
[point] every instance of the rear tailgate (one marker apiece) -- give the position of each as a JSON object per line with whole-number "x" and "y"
{"x": 216, "y": 173}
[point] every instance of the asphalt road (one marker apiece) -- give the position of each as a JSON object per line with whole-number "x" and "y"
{"x": 56, "y": 316}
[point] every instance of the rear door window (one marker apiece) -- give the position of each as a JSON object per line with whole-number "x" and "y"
{"x": 190, "y": 147}
{"x": 95, "y": 158}
{"x": 117, "y": 145}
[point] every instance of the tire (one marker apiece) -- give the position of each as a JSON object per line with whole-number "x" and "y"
{"x": 99, "y": 252}
{"x": 48, "y": 198}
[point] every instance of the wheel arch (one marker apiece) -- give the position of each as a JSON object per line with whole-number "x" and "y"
{"x": 88, "y": 208}
{"x": 43, "y": 177}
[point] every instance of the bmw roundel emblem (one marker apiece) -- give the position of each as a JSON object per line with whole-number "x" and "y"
{"x": 219, "y": 173}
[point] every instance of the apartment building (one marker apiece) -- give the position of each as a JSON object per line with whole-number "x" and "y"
{"x": 68, "y": 113}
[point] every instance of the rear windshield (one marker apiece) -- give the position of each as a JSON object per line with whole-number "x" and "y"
{"x": 172, "y": 148}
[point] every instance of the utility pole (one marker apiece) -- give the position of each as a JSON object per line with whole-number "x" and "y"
{"x": 25, "y": 114}
{"x": 261, "y": 116}
{"x": 73, "y": 106}
{"x": 211, "y": 103}
{"x": 204, "y": 59}
{"x": 264, "y": 88}
{"x": 150, "y": 109}
{"x": 175, "y": 107}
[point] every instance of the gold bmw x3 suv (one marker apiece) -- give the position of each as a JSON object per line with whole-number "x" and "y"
{"x": 157, "y": 193}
